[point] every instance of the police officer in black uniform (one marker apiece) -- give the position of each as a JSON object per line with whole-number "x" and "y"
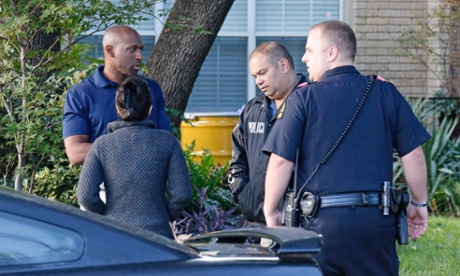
{"x": 273, "y": 70}
{"x": 358, "y": 239}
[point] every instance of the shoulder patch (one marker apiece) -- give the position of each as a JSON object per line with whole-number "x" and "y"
{"x": 281, "y": 110}
{"x": 302, "y": 85}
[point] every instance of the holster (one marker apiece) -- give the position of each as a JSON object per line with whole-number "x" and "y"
{"x": 398, "y": 204}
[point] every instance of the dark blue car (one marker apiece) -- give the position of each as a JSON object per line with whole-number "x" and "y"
{"x": 42, "y": 237}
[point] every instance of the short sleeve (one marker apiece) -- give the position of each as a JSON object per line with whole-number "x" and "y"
{"x": 286, "y": 136}
{"x": 75, "y": 120}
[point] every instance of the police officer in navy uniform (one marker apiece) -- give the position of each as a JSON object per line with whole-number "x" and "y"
{"x": 272, "y": 67}
{"x": 358, "y": 239}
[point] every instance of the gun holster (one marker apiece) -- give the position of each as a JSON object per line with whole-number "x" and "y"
{"x": 398, "y": 204}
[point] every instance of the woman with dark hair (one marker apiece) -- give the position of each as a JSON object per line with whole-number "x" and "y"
{"x": 143, "y": 168}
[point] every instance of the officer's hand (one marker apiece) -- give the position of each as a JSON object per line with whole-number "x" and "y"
{"x": 417, "y": 221}
{"x": 274, "y": 218}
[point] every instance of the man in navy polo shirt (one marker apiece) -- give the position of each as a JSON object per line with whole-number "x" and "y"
{"x": 90, "y": 104}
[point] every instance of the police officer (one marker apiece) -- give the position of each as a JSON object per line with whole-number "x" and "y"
{"x": 272, "y": 67}
{"x": 357, "y": 238}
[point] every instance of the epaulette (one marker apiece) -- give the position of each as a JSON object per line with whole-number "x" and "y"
{"x": 380, "y": 78}
{"x": 303, "y": 84}
{"x": 281, "y": 110}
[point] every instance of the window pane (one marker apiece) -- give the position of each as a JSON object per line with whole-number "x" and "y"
{"x": 237, "y": 17}
{"x": 221, "y": 84}
{"x": 294, "y": 15}
{"x": 270, "y": 15}
{"x": 27, "y": 241}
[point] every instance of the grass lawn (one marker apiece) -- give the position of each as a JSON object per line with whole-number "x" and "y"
{"x": 436, "y": 253}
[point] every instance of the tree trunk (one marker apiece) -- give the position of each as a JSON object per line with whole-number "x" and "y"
{"x": 181, "y": 49}
{"x": 19, "y": 179}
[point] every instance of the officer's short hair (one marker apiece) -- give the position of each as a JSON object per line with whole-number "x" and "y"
{"x": 340, "y": 34}
{"x": 275, "y": 51}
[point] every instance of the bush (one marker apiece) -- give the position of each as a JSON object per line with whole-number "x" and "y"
{"x": 204, "y": 173}
{"x": 212, "y": 207}
{"x": 207, "y": 218}
{"x": 58, "y": 183}
{"x": 442, "y": 153}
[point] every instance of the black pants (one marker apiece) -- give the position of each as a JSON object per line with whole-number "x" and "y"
{"x": 356, "y": 241}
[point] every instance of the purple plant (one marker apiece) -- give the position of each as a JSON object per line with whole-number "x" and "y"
{"x": 207, "y": 218}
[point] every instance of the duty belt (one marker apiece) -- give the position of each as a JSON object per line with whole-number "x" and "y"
{"x": 350, "y": 199}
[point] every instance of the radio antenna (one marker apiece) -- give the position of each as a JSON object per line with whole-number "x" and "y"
{"x": 296, "y": 168}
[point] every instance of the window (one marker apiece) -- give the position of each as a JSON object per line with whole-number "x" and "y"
{"x": 221, "y": 84}
{"x": 294, "y": 15}
{"x": 27, "y": 241}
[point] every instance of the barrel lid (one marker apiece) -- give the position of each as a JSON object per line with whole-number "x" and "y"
{"x": 193, "y": 115}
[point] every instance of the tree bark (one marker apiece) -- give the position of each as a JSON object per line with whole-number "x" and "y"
{"x": 181, "y": 49}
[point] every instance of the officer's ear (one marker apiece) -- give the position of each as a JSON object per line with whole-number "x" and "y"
{"x": 283, "y": 64}
{"x": 333, "y": 53}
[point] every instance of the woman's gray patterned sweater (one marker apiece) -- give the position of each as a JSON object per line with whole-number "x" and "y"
{"x": 138, "y": 165}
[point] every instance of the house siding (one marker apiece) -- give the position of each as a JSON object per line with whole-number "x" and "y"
{"x": 378, "y": 25}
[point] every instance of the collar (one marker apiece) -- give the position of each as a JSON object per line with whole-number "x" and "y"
{"x": 340, "y": 70}
{"x": 100, "y": 80}
{"x": 301, "y": 81}
{"x": 112, "y": 126}
{"x": 272, "y": 108}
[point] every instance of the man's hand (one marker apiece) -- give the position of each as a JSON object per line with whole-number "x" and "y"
{"x": 275, "y": 218}
{"x": 279, "y": 172}
{"x": 415, "y": 173}
{"x": 417, "y": 221}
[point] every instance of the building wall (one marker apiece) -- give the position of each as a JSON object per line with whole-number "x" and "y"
{"x": 378, "y": 24}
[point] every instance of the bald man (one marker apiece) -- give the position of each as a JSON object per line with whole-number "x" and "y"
{"x": 273, "y": 70}
{"x": 90, "y": 104}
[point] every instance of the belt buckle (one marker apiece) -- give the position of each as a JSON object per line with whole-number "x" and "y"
{"x": 365, "y": 199}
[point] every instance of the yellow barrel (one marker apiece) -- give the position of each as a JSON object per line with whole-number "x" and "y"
{"x": 211, "y": 131}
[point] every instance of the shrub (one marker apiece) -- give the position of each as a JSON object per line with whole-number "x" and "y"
{"x": 58, "y": 183}
{"x": 207, "y": 218}
{"x": 212, "y": 207}
{"x": 204, "y": 173}
{"x": 442, "y": 153}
